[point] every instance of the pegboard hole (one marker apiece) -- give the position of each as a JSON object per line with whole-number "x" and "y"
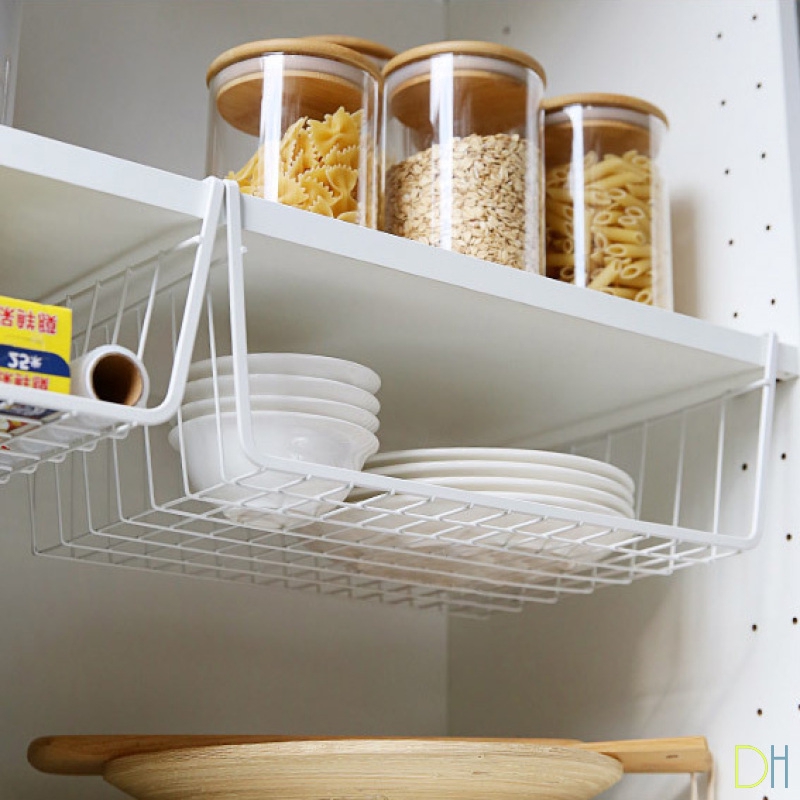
{"x": 507, "y": 29}
{"x": 759, "y": 85}
{"x": 794, "y": 620}
{"x": 754, "y": 627}
{"x": 744, "y": 467}
{"x": 783, "y": 456}
{"x": 773, "y": 301}
{"x": 763, "y": 154}
{"x": 754, "y": 18}
{"x": 760, "y": 712}
{"x": 719, "y": 35}
{"x": 735, "y": 314}
{"x": 730, "y": 242}
{"x": 788, "y": 537}
{"x": 723, "y": 102}
{"x": 768, "y": 227}
{"x": 727, "y": 171}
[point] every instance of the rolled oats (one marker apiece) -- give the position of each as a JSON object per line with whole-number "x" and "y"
{"x": 478, "y": 197}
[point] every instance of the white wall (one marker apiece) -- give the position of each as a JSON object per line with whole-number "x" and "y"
{"x": 128, "y": 77}
{"x": 674, "y": 656}
{"x": 87, "y": 649}
{"x": 10, "y": 18}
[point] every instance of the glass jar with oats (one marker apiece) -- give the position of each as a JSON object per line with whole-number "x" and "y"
{"x": 606, "y": 207}
{"x": 461, "y": 151}
{"x": 295, "y": 121}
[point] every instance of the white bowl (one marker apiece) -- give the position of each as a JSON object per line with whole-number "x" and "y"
{"x": 282, "y": 434}
{"x": 305, "y": 405}
{"x": 336, "y": 369}
{"x": 287, "y": 385}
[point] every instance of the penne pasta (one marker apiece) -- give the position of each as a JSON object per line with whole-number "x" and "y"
{"x": 560, "y": 259}
{"x": 606, "y": 277}
{"x": 617, "y": 199}
{"x": 611, "y": 234}
{"x": 621, "y": 291}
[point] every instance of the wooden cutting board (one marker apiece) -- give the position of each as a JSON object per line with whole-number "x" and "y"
{"x": 88, "y": 755}
{"x": 365, "y": 769}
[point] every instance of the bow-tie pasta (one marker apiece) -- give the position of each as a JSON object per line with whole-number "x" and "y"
{"x": 318, "y": 169}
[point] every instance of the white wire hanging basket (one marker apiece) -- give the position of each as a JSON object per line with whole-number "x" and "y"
{"x": 130, "y": 501}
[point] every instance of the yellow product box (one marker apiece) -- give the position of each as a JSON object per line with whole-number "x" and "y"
{"x": 35, "y": 342}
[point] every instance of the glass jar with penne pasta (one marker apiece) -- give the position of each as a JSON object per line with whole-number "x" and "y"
{"x": 606, "y": 208}
{"x": 295, "y": 121}
{"x": 461, "y": 152}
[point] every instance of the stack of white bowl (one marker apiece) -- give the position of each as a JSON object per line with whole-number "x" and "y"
{"x": 309, "y": 408}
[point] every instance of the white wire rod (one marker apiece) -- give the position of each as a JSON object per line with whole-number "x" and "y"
{"x": 403, "y": 585}
{"x": 723, "y": 416}
{"x": 121, "y": 306}
{"x": 494, "y": 582}
{"x": 106, "y": 290}
{"x": 77, "y": 293}
{"x": 179, "y": 528}
{"x": 767, "y": 380}
{"x": 766, "y": 416}
{"x": 386, "y": 484}
{"x": 676, "y": 508}
{"x": 481, "y": 525}
{"x": 543, "y": 553}
{"x": 479, "y": 583}
{"x": 304, "y": 499}
{"x": 90, "y": 323}
{"x": 144, "y": 330}
{"x": 156, "y": 290}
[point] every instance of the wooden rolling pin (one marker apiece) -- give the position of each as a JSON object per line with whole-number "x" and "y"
{"x": 88, "y": 755}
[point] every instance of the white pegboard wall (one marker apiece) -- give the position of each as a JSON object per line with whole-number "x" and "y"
{"x": 678, "y": 656}
{"x": 716, "y": 68}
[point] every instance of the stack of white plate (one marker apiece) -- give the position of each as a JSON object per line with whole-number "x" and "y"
{"x": 557, "y": 479}
{"x": 305, "y": 407}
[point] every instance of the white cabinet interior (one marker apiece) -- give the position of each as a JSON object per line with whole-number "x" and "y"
{"x": 735, "y": 256}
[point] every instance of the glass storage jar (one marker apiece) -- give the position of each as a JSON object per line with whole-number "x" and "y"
{"x": 461, "y": 153}
{"x": 295, "y": 121}
{"x": 378, "y": 53}
{"x": 606, "y": 208}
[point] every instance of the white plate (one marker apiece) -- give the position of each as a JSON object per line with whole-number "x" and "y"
{"x": 287, "y": 385}
{"x": 422, "y": 470}
{"x": 544, "y": 457}
{"x": 574, "y": 497}
{"x": 306, "y": 405}
{"x": 543, "y": 489}
{"x": 337, "y": 369}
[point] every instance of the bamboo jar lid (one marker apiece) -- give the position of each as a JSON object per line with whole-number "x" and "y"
{"x": 465, "y": 48}
{"x": 621, "y": 101}
{"x": 609, "y": 133}
{"x": 315, "y": 93}
{"x": 499, "y": 96}
{"x": 366, "y": 47}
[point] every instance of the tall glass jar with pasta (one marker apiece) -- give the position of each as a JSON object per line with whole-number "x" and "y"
{"x": 461, "y": 152}
{"x": 606, "y": 208}
{"x": 295, "y": 121}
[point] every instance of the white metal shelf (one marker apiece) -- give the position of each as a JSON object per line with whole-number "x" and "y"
{"x": 505, "y": 357}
